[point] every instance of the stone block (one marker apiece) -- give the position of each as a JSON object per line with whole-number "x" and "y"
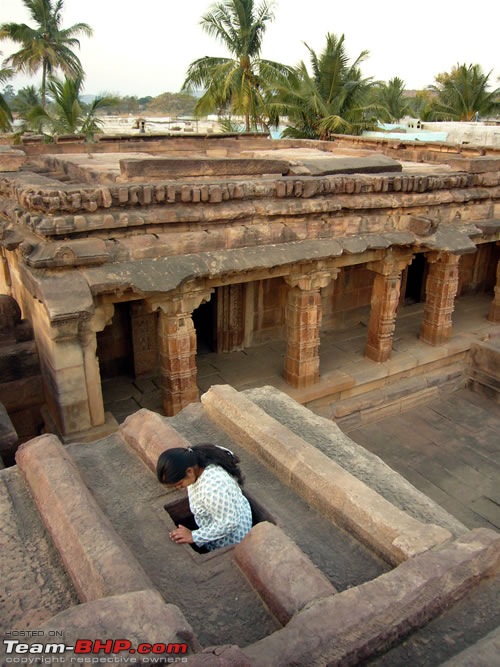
{"x": 177, "y": 167}
{"x": 281, "y": 573}
{"x": 95, "y": 557}
{"x": 117, "y": 617}
{"x": 11, "y": 159}
{"x": 347, "y": 628}
{"x": 149, "y": 435}
{"x": 220, "y": 656}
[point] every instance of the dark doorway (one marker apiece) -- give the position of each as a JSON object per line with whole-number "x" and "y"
{"x": 415, "y": 280}
{"x": 204, "y": 320}
{"x": 114, "y": 344}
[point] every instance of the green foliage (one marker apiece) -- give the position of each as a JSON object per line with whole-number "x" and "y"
{"x": 239, "y": 85}
{"x": 333, "y": 99}
{"x": 5, "y": 110}
{"x": 462, "y": 93}
{"x": 47, "y": 46}
{"x": 66, "y": 113}
{"x": 388, "y": 100}
{"x": 172, "y": 104}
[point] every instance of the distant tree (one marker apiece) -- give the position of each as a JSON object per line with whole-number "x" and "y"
{"x": 47, "y": 46}
{"x": 422, "y": 105}
{"x": 332, "y": 99}
{"x": 238, "y": 84}
{"x": 463, "y": 93}
{"x": 389, "y": 100}
{"x": 66, "y": 113}
{"x": 172, "y": 104}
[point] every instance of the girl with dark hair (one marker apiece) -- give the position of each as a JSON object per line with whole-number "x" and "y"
{"x": 212, "y": 477}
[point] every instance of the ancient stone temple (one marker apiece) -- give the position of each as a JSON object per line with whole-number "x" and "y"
{"x": 129, "y": 255}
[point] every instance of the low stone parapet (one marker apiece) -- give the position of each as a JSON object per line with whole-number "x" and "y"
{"x": 483, "y": 369}
{"x": 96, "y": 558}
{"x": 324, "y": 484}
{"x": 149, "y": 434}
{"x": 347, "y": 628}
{"x": 279, "y": 571}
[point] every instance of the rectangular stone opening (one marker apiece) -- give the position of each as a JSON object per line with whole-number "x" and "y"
{"x": 180, "y": 513}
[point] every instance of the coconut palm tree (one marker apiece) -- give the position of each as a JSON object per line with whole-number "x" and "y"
{"x": 332, "y": 99}
{"x": 66, "y": 113}
{"x": 463, "y": 93}
{"x": 238, "y": 84}
{"x": 389, "y": 100}
{"x": 5, "y": 111}
{"x": 47, "y": 46}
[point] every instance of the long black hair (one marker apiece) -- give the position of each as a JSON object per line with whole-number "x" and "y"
{"x": 173, "y": 463}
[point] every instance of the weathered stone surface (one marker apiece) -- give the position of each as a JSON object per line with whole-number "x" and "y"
{"x": 34, "y": 583}
{"x": 280, "y": 572}
{"x": 483, "y": 368}
{"x": 376, "y": 163}
{"x": 149, "y": 435}
{"x": 79, "y": 252}
{"x": 323, "y": 483}
{"x": 346, "y": 628}
{"x": 484, "y": 653}
{"x": 8, "y": 435}
{"x": 140, "y": 617}
{"x": 18, "y": 360}
{"x": 177, "y": 167}
{"x": 96, "y": 558}
{"x": 221, "y": 656}
{"x": 11, "y": 159}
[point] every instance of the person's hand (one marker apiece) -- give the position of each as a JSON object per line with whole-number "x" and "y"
{"x": 181, "y": 535}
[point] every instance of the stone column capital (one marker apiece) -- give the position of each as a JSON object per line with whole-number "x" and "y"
{"x": 179, "y": 302}
{"x": 444, "y": 257}
{"x": 311, "y": 281}
{"x": 393, "y": 263}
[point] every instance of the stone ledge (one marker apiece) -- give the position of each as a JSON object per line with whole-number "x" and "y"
{"x": 324, "y": 484}
{"x": 149, "y": 434}
{"x": 280, "y": 572}
{"x": 347, "y": 628}
{"x": 97, "y": 560}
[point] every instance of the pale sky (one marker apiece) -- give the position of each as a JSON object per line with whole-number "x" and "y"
{"x": 144, "y": 47}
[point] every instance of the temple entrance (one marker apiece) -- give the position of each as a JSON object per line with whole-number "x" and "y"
{"x": 414, "y": 280}
{"x": 204, "y": 320}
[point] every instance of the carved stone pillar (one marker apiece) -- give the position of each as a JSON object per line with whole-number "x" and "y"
{"x": 494, "y": 314}
{"x": 303, "y": 322}
{"x": 384, "y": 304}
{"x": 441, "y": 290}
{"x": 177, "y": 348}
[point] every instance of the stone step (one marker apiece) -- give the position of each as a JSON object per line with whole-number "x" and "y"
{"x": 393, "y": 398}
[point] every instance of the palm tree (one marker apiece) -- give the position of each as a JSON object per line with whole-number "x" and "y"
{"x": 5, "y": 112}
{"x": 463, "y": 93}
{"x": 240, "y": 83}
{"x": 66, "y": 113}
{"x": 389, "y": 100}
{"x": 47, "y": 46}
{"x": 333, "y": 99}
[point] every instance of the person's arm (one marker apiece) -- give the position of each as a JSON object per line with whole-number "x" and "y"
{"x": 221, "y": 502}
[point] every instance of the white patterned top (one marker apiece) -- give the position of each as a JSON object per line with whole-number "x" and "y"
{"x": 220, "y": 509}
